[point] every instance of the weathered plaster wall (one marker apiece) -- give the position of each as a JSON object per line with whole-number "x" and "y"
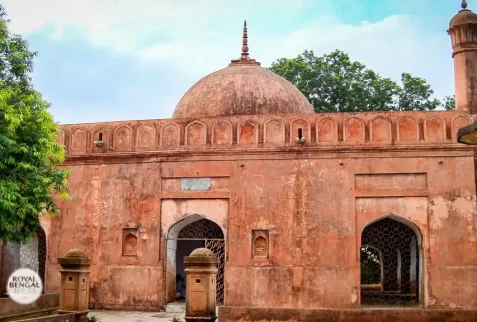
{"x": 309, "y": 203}
{"x": 315, "y": 216}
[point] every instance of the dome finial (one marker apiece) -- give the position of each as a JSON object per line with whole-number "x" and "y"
{"x": 464, "y": 4}
{"x": 245, "y": 41}
{"x": 244, "y": 57}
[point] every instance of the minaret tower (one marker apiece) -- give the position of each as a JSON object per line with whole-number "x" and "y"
{"x": 463, "y": 32}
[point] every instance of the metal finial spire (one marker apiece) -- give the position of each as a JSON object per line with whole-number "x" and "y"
{"x": 245, "y": 42}
{"x": 464, "y": 4}
{"x": 244, "y": 57}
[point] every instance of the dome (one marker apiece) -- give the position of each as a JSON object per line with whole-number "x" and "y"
{"x": 242, "y": 88}
{"x": 465, "y": 16}
{"x": 76, "y": 253}
{"x": 202, "y": 252}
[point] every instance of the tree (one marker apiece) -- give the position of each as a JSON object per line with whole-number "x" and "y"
{"x": 334, "y": 83}
{"x": 449, "y": 103}
{"x": 30, "y": 175}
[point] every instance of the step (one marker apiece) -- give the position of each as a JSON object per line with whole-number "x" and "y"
{"x": 175, "y": 308}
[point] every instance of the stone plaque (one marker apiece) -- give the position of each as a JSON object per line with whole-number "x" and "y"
{"x": 195, "y": 184}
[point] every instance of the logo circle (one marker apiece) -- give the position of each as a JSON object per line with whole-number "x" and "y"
{"x": 24, "y": 286}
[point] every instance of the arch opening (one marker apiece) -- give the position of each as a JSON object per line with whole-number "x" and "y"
{"x": 29, "y": 254}
{"x": 390, "y": 263}
{"x": 182, "y": 238}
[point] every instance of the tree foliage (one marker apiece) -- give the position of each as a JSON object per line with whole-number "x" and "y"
{"x": 370, "y": 266}
{"x": 449, "y": 103}
{"x": 335, "y": 83}
{"x": 30, "y": 176}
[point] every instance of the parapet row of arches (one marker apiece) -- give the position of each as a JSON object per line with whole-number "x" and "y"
{"x": 332, "y": 129}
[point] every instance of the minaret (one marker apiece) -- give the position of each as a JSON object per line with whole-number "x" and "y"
{"x": 463, "y": 32}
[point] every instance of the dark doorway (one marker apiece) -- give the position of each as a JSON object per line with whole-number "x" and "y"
{"x": 389, "y": 264}
{"x": 183, "y": 238}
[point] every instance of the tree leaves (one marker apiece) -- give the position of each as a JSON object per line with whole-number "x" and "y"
{"x": 335, "y": 83}
{"x": 29, "y": 153}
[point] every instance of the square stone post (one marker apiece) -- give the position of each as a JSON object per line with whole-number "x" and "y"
{"x": 74, "y": 287}
{"x": 201, "y": 279}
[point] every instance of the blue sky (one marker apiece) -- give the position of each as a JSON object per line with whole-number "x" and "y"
{"x": 110, "y": 60}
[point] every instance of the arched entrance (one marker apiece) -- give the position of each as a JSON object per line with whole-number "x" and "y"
{"x": 29, "y": 254}
{"x": 390, "y": 263}
{"x": 182, "y": 238}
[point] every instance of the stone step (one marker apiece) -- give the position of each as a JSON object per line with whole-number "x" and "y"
{"x": 52, "y": 318}
{"x": 175, "y": 308}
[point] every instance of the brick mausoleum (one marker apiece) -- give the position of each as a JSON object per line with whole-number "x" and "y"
{"x": 304, "y": 210}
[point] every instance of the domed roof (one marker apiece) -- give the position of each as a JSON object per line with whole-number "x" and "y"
{"x": 76, "y": 253}
{"x": 464, "y": 16}
{"x": 242, "y": 88}
{"x": 202, "y": 252}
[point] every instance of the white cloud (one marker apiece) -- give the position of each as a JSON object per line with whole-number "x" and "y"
{"x": 200, "y": 36}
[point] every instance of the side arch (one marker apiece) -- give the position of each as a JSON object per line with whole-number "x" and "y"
{"x": 400, "y": 244}
{"x": 400, "y": 219}
{"x": 29, "y": 254}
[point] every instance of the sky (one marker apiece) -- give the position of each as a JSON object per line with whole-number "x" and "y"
{"x": 113, "y": 60}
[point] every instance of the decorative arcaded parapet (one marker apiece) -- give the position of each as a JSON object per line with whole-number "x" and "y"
{"x": 266, "y": 131}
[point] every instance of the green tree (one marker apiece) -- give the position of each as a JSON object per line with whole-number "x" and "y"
{"x": 449, "y": 103}
{"x": 30, "y": 176}
{"x": 335, "y": 83}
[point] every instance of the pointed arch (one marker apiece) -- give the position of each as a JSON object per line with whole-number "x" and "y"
{"x": 42, "y": 252}
{"x": 193, "y": 227}
{"x": 30, "y": 254}
{"x": 399, "y": 241}
{"x": 400, "y": 219}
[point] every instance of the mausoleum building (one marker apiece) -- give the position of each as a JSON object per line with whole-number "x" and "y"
{"x": 303, "y": 210}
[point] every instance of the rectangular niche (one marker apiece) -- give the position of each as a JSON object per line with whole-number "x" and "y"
{"x": 130, "y": 241}
{"x": 260, "y": 244}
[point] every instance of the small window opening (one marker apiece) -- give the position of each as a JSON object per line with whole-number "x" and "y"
{"x": 70, "y": 278}
{"x": 100, "y": 137}
{"x": 197, "y": 281}
{"x": 84, "y": 280}
{"x": 300, "y": 133}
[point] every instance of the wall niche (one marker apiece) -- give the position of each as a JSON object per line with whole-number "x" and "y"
{"x": 130, "y": 241}
{"x": 260, "y": 244}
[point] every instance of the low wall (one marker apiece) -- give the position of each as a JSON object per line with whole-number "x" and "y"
{"x": 56, "y": 318}
{"x": 47, "y": 304}
{"x": 243, "y": 314}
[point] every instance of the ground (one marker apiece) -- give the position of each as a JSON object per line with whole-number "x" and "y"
{"x": 122, "y": 316}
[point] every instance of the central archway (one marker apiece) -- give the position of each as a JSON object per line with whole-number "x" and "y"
{"x": 190, "y": 233}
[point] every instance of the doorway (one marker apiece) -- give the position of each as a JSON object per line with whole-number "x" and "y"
{"x": 183, "y": 237}
{"x": 390, "y": 264}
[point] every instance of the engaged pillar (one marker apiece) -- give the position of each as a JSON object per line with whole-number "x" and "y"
{"x": 74, "y": 287}
{"x": 201, "y": 279}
